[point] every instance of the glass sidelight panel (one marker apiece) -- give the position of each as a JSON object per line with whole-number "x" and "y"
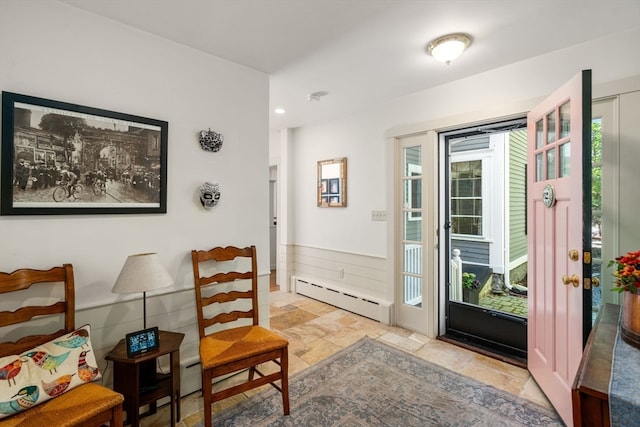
{"x": 596, "y": 216}
{"x": 412, "y": 226}
{"x": 412, "y": 275}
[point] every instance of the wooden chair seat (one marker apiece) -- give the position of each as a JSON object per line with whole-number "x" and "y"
{"x": 224, "y": 347}
{"x": 89, "y": 405}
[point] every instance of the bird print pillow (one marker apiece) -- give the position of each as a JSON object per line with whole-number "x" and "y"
{"x": 46, "y": 371}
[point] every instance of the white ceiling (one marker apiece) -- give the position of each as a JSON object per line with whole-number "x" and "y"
{"x": 365, "y": 52}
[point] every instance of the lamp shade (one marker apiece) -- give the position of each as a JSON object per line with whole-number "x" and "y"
{"x": 141, "y": 273}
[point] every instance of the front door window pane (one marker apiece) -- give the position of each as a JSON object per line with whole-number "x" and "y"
{"x": 539, "y": 134}
{"x": 551, "y": 163}
{"x": 565, "y": 120}
{"x": 539, "y": 165}
{"x": 551, "y": 127}
{"x": 565, "y": 159}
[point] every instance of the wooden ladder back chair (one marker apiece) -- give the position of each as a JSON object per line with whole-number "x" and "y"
{"x": 89, "y": 404}
{"x": 234, "y": 348}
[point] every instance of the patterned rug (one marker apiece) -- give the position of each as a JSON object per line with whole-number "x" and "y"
{"x": 372, "y": 384}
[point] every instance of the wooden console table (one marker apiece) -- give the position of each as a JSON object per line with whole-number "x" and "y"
{"x": 136, "y": 377}
{"x": 590, "y": 394}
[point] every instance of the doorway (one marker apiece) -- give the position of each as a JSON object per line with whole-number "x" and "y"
{"x": 485, "y": 237}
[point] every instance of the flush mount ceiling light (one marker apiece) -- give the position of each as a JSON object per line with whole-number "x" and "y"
{"x": 447, "y": 48}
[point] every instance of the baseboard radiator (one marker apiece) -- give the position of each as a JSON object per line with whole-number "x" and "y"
{"x": 372, "y": 308}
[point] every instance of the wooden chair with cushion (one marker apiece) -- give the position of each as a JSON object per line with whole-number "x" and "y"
{"x": 220, "y": 290}
{"x": 88, "y": 404}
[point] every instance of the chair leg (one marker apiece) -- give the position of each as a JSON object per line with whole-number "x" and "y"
{"x": 284, "y": 381}
{"x": 206, "y": 396}
{"x": 117, "y": 416}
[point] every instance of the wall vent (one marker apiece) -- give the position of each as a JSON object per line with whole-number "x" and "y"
{"x": 370, "y": 307}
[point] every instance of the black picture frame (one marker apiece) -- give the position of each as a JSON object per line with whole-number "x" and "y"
{"x": 334, "y": 185}
{"x": 141, "y": 342}
{"x": 119, "y": 160}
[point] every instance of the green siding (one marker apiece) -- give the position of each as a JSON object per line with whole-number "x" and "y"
{"x": 517, "y": 194}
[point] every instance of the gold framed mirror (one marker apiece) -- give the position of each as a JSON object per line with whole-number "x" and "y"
{"x": 332, "y": 183}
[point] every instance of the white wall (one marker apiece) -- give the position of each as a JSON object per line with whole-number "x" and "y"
{"x": 51, "y": 50}
{"x": 509, "y": 90}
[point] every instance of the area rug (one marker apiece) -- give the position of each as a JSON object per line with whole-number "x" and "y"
{"x": 372, "y": 384}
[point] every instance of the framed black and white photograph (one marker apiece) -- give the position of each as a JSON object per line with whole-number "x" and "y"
{"x": 60, "y": 158}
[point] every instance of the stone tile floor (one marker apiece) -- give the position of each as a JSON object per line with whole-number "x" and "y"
{"x": 316, "y": 330}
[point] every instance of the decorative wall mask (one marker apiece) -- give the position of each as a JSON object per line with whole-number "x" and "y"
{"x": 209, "y": 194}
{"x": 211, "y": 140}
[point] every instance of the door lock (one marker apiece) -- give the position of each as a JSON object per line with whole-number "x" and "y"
{"x": 574, "y": 280}
{"x": 574, "y": 255}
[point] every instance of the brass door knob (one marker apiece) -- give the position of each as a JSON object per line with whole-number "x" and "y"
{"x": 574, "y": 280}
{"x": 595, "y": 282}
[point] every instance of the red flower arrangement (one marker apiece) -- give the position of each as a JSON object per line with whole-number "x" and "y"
{"x": 627, "y": 272}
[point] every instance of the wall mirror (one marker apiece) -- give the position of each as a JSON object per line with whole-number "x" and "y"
{"x": 332, "y": 183}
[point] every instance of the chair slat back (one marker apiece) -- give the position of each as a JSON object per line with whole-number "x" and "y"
{"x": 25, "y": 279}
{"x": 213, "y": 274}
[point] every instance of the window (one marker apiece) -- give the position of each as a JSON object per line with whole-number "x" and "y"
{"x": 466, "y": 197}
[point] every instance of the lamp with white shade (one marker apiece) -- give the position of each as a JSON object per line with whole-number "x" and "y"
{"x": 142, "y": 273}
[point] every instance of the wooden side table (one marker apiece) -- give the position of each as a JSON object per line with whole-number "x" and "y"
{"x": 590, "y": 393}
{"x": 137, "y": 380}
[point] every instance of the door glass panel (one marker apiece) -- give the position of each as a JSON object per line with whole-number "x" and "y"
{"x": 412, "y": 227}
{"x": 565, "y": 120}
{"x": 539, "y": 164}
{"x": 596, "y": 216}
{"x": 412, "y": 193}
{"x": 412, "y": 290}
{"x": 565, "y": 159}
{"x": 551, "y": 163}
{"x": 412, "y": 158}
{"x": 551, "y": 127}
{"x": 539, "y": 134}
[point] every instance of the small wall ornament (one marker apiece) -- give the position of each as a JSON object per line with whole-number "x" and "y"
{"x": 209, "y": 195}
{"x": 211, "y": 140}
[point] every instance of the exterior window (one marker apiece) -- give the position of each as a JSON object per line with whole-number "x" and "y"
{"x": 415, "y": 191}
{"x": 466, "y": 197}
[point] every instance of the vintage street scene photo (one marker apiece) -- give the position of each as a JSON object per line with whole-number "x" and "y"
{"x": 65, "y": 158}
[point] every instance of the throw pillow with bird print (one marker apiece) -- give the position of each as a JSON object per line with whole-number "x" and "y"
{"x": 46, "y": 371}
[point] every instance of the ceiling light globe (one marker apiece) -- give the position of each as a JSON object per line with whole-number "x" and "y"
{"x": 447, "y": 48}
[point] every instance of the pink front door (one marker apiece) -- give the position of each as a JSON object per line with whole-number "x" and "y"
{"x": 556, "y": 182}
